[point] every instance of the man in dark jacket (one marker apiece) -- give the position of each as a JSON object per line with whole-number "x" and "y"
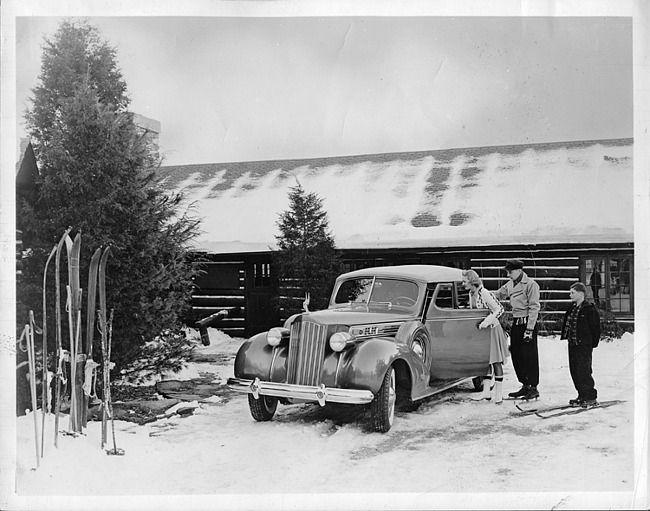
{"x": 581, "y": 328}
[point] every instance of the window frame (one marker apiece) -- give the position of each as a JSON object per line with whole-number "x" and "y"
{"x": 606, "y": 284}
{"x": 261, "y": 274}
{"x": 456, "y": 295}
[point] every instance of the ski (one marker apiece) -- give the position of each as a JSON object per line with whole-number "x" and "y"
{"x": 44, "y": 395}
{"x": 90, "y": 365}
{"x": 520, "y": 399}
{"x": 59, "y": 337}
{"x": 574, "y": 410}
{"x": 103, "y": 328}
{"x": 540, "y": 409}
{"x": 74, "y": 319}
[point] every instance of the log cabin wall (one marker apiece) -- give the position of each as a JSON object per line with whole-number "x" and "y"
{"x": 221, "y": 287}
{"x": 240, "y": 283}
{"x": 554, "y": 268}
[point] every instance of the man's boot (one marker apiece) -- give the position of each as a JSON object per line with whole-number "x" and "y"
{"x": 521, "y": 392}
{"x": 532, "y": 393}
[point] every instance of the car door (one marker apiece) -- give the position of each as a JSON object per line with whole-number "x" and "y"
{"x": 458, "y": 347}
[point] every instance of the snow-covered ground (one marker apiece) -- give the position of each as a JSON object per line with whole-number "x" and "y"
{"x": 450, "y": 453}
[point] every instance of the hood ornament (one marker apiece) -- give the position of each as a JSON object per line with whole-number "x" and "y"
{"x": 305, "y": 303}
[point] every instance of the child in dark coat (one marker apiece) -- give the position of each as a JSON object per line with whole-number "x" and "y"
{"x": 581, "y": 328}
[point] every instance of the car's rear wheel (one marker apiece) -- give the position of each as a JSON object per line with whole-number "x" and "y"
{"x": 262, "y": 409}
{"x": 477, "y": 381}
{"x": 383, "y": 406}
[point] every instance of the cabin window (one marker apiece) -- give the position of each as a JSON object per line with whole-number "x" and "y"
{"x": 262, "y": 274}
{"x": 610, "y": 281}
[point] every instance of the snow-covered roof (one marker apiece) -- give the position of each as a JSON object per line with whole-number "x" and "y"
{"x": 526, "y": 194}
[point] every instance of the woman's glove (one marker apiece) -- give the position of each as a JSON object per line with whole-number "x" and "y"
{"x": 486, "y": 323}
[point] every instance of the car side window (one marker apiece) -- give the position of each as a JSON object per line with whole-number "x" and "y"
{"x": 444, "y": 297}
{"x": 451, "y": 296}
{"x": 462, "y": 296}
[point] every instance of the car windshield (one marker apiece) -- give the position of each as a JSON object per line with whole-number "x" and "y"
{"x": 377, "y": 292}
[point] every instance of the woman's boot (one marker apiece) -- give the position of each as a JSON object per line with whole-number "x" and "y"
{"x": 498, "y": 384}
{"x": 486, "y": 393}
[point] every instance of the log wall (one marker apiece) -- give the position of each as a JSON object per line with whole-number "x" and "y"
{"x": 232, "y": 282}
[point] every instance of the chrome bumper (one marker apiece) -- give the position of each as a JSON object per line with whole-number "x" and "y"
{"x": 321, "y": 394}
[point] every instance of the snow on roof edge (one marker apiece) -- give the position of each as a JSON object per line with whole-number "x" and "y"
{"x": 621, "y": 236}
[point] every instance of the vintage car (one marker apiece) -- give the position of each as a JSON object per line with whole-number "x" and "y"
{"x": 388, "y": 331}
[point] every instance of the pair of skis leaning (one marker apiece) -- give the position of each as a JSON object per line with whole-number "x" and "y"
{"x": 97, "y": 285}
{"x": 106, "y": 331}
{"x": 547, "y": 412}
{"x": 75, "y": 354}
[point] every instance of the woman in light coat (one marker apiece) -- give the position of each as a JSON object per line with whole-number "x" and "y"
{"x": 481, "y": 298}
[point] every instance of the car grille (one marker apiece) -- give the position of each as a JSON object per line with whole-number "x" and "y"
{"x": 306, "y": 351}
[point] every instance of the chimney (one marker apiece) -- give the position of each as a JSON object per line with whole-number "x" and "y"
{"x": 151, "y": 130}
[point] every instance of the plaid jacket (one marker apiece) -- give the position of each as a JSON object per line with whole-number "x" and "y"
{"x": 587, "y": 328}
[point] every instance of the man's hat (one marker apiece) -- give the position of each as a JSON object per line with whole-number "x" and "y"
{"x": 514, "y": 264}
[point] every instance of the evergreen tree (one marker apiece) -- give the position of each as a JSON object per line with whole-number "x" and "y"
{"x": 307, "y": 260}
{"x": 97, "y": 174}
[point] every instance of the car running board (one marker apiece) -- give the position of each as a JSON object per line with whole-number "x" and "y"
{"x": 437, "y": 386}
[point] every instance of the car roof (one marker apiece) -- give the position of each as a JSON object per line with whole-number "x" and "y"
{"x": 422, "y": 272}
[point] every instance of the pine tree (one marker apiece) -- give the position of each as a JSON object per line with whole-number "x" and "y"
{"x": 307, "y": 260}
{"x": 97, "y": 174}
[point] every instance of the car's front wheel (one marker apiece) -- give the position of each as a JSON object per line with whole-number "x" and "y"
{"x": 262, "y": 409}
{"x": 383, "y": 406}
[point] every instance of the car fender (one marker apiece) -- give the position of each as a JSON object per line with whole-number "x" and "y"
{"x": 405, "y": 334}
{"x": 406, "y": 331}
{"x": 364, "y": 366}
{"x": 256, "y": 359}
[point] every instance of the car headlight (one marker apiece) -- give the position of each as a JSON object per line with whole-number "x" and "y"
{"x": 340, "y": 340}
{"x": 275, "y": 335}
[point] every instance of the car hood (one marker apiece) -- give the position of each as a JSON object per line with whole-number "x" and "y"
{"x": 355, "y": 317}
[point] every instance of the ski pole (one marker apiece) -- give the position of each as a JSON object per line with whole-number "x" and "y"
{"x": 32, "y": 380}
{"x": 33, "y": 328}
{"x": 116, "y": 451}
{"x": 101, "y": 324}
